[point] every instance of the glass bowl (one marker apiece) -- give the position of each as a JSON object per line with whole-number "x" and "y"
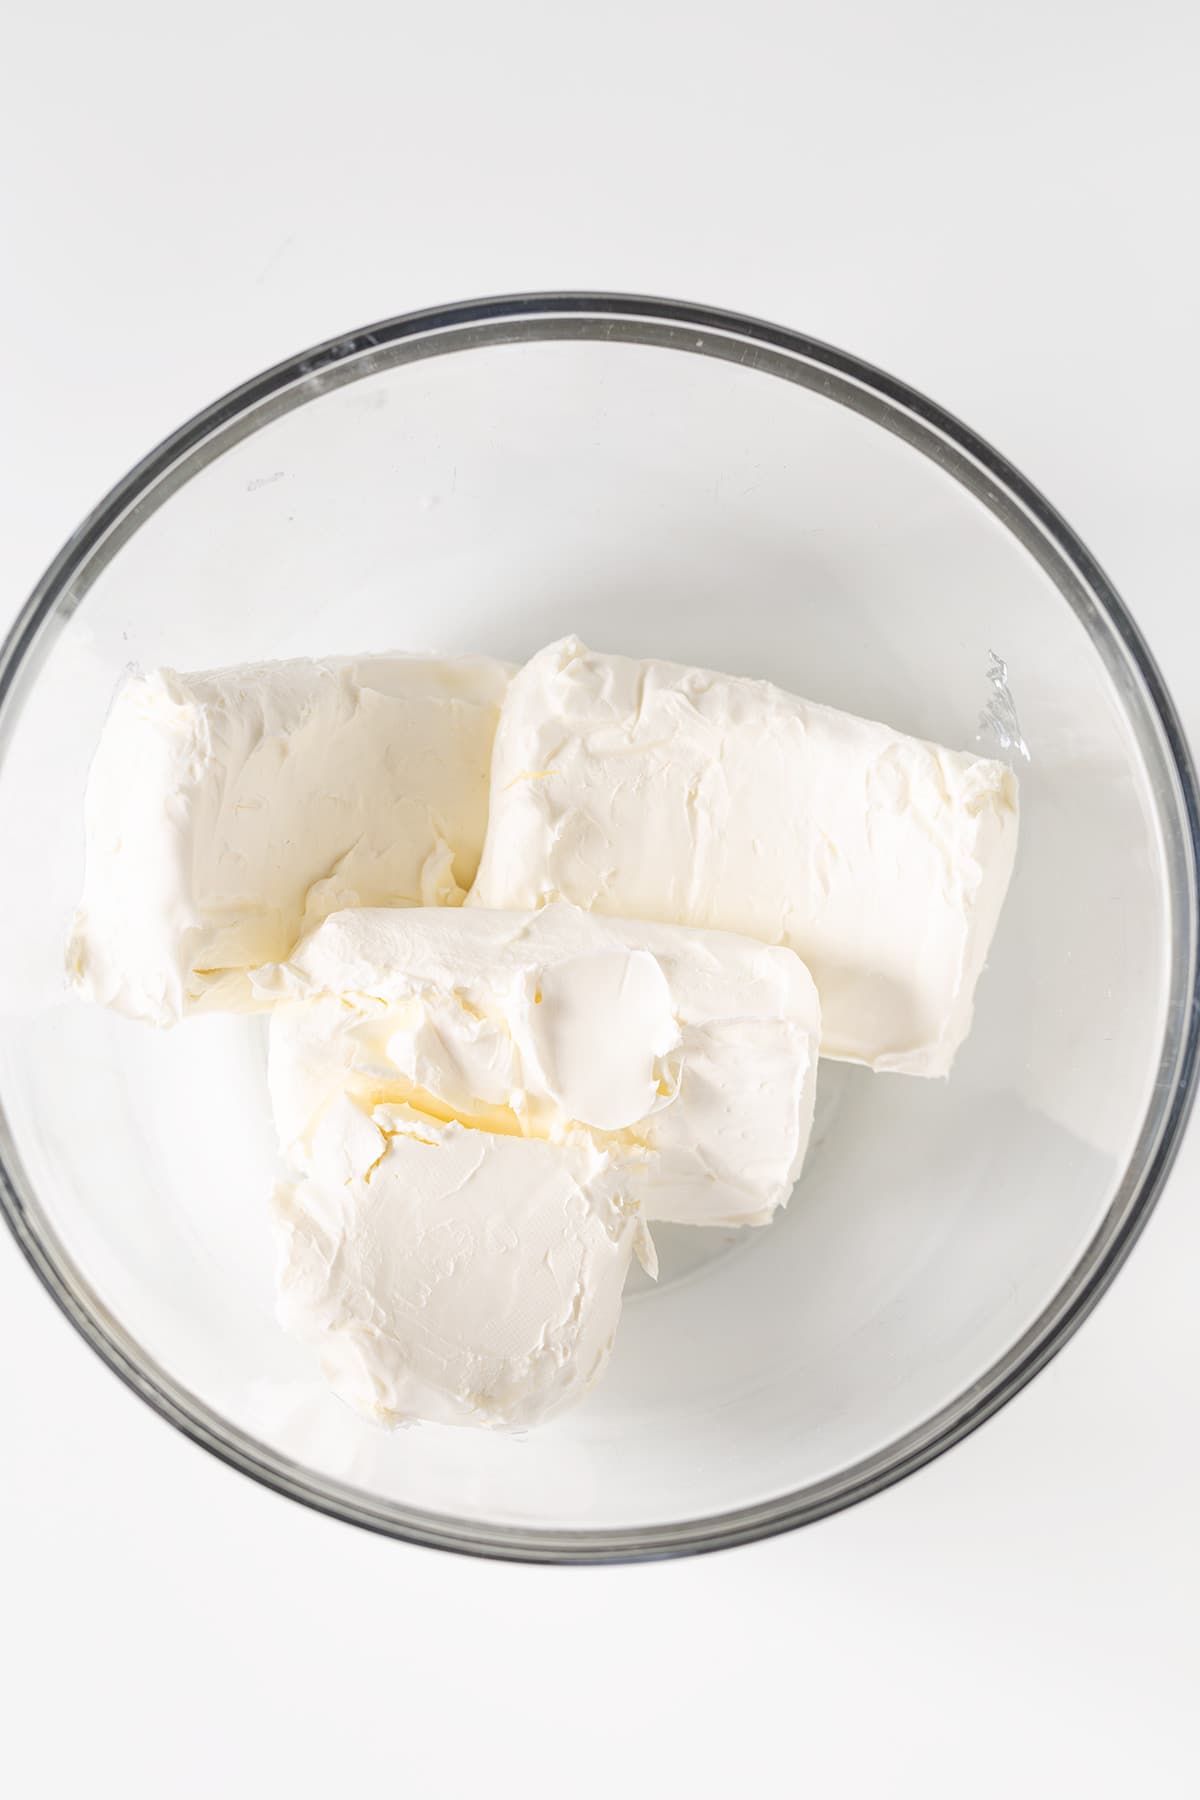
{"x": 662, "y": 479}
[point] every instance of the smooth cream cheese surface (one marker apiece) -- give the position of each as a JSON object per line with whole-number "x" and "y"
{"x": 654, "y": 791}
{"x": 452, "y": 1275}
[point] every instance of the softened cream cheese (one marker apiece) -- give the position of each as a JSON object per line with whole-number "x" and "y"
{"x": 691, "y": 1053}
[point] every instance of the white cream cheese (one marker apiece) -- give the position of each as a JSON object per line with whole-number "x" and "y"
{"x": 452, "y": 1275}
{"x": 690, "y": 1053}
{"x": 228, "y": 812}
{"x": 654, "y": 791}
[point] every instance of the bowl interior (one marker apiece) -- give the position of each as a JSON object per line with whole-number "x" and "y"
{"x": 660, "y": 488}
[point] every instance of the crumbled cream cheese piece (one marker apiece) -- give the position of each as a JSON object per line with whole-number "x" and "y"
{"x": 691, "y": 1052}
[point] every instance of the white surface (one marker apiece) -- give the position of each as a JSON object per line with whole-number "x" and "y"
{"x": 992, "y": 206}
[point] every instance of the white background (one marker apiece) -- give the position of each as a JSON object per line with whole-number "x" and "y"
{"x": 995, "y": 203}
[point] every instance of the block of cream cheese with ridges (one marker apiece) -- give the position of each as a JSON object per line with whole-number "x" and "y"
{"x": 452, "y": 1275}
{"x": 228, "y": 812}
{"x": 655, "y": 791}
{"x": 692, "y": 1052}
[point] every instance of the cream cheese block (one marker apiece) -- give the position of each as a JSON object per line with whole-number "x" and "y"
{"x": 650, "y": 790}
{"x": 228, "y": 812}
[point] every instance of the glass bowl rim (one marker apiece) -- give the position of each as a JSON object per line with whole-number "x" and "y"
{"x": 533, "y": 317}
